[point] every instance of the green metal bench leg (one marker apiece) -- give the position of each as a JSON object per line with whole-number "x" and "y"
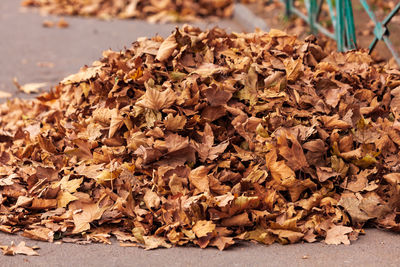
{"x": 351, "y": 38}
{"x": 345, "y": 30}
{"x": 340, "y": 25}
{"x": 312, "y": 13}
{"x": 288, "y": 8}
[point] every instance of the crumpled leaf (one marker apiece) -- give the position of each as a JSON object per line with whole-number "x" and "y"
{"x": 156, "y": 100}
{"x": 337, "y": 235}
{"x": 203, "y": 228}
{"x": 151, "y": 199}
{"x": 167, "y": 48}
{"x": 29, "y": 88}
{"x": 84, "y": 214}
{"x": 152, "y": 242}
{"x": 21, "y": 248}
{"x": 206, "y": 149}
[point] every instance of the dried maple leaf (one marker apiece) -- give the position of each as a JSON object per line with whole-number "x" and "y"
{"x": 294, "y": 154}
{"x": 84, "y": 74}
{"x": 325, "y": 173}
{"x": 62, "y": 23}
{"x": 175, "y": 123}
{"x": 84, "y": 214}
{"x": 199, "y": 179}
{"x": 338, "y": 234}
{"x": 21, "y": 248}
{"x": 64, "y": 198}
{"x": 156, "y": 100}
{"x": 222, "y": 242}
{"x": 352, "y": 205}
{"x": 39, "y": 233}
{"x": 152, "y": 242}
{"x": 203, "y": 228}
{"x": 206, "y": 149}
{"x": 279, "y": 170}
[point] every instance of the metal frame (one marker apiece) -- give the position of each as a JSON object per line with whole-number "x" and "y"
{"x": 342, "y": 20}
{"x": 381, "y": 31}
{"x": 341, "y": 13}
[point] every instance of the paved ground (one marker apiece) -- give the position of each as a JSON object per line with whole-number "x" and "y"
{"x": 377, "y": 248}
{"x": 26, "y": 49}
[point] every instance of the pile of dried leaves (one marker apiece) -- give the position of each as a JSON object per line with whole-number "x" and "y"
{"x": 206, "y": 138}
{"x": 152, "y": 10}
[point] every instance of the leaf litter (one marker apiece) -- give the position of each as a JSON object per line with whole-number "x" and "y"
{"x": 206, "y": 138}
{"x": 151, "y": 10}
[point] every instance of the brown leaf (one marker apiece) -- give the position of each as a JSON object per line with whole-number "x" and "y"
{"x": 84, "y": 214}
{"x": 41, "y": 203}
{"x": 21, "y": 248}
{"x": 84, "y": 74}
{"x": 222, "y": 242}
{"x": 29, "y": 88}
{"x": 174, "y": 123}
{"x": 279, "y": 170}
{"x": 294, "y": 154}
{"x": 167, "y": 48}
{"x": 338, "y": 234}
{"x": 39, "y": 233}
{"x": 203, "y": 228}
{"x": 64, "y": 198}
{"x": 206, "y": 149}
{"x": 156, "y": 100}
{"x": 151, "y": 199}
{"x": 237, "y": 220}
{"x": 217, "y": 97}
{"x": 324, "y": 173}
{"x": 199, "y": 179}
{"x": 152, "y": 242}
{"x": 352, "y": 205}
{"x": 333, "y": 122}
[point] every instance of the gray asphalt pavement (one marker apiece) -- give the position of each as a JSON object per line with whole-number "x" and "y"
{"x": 377, "y": 248}
{"x": 33, "y": 53}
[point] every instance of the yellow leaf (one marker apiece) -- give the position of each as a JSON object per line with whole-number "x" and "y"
{"x": 69, "y": 185}
{"x": 64, "y": 198}
{"x": 366, "y": 161}
{"x": 137, "y": 74}
{"x": 106, "y": 176}
{"x": 203, "y": 228}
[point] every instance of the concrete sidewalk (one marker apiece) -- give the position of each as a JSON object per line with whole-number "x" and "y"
{"x": 36, "y": 54}
{"x": 377, "y": 248}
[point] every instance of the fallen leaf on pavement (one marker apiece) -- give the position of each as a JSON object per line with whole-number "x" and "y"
{"x": 337, "y": 235}
{"x": 21, "y": 248}
{"x": 30, "y": 88}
